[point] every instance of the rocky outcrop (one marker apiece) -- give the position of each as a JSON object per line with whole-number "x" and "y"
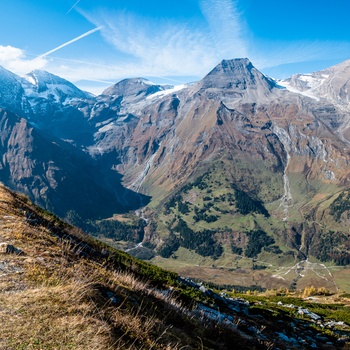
{"x": 236, "y": 80}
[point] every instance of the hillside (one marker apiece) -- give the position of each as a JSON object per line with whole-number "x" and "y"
{"x": 61, "y": 289}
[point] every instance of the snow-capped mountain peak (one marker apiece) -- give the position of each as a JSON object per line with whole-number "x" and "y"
{"x": 332, "y": 84}
{"x": 48, "y": 85}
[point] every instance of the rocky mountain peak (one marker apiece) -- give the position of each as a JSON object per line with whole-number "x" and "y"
{"x": 236, "y": 73}
{"x": 234, "y": 66}
{"x": 133, "y": 87}
{"x": 39, "y": 77}
{"x": 237, "y": 79}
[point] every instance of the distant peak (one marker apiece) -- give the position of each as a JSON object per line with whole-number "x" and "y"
{"x": 236, "y": 61}
{"x": 53, "y": 84}
{"x": 236, "y": 74}
{"x": 133, "y": 86}
{"x": 234, "y": 66}
{"x": 331, "y": 83}
{"x": 135, "y": 81}
{"x": 40, "y": 72}
{"x": 43, "y": 76}
{"x": 144, "y": 81}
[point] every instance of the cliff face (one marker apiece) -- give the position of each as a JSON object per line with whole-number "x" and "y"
{"x": 54, "y": 173}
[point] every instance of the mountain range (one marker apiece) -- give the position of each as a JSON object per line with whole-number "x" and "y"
{"x": 238, "y": 171}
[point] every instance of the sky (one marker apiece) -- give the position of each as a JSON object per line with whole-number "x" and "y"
{"x": 96, "y": 43}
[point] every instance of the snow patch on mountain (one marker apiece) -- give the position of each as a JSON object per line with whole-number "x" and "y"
{"x": 304, "y": 84}
{"x": 45, "y": 85}
{"x": 169, "y": 91}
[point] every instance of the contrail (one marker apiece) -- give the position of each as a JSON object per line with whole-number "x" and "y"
{"x": 69, "y": 42}
{"x": 73, "y": 7}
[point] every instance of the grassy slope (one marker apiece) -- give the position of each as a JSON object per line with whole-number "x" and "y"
{"x": 217, "y": 183}
{"x": 69, "y": 291}
{"x": 63, "y": 293}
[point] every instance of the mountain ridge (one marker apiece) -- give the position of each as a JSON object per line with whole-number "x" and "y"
{"x": 230, "y": 160}
{"x": 331, "y": 83}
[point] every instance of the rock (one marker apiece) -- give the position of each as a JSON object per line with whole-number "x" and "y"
{"x": 313, "y": 316}
{"x": 3, "y": 248}
{"x": 203, "y": 289}
{"x": 10, "y": 249}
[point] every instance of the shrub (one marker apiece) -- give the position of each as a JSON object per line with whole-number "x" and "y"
{"x": 340, "y": 205}
{"x": 246, "y": 204}
{"x": 171, "y": 245}
{"x": 258, "y": 239}
{"x": 236, "y": 250}
{"x": 201, "y": 242}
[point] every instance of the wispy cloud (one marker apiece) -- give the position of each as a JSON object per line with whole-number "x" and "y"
{"x": 169, "y": 48}
{"x": 232, "y": 39}
{"x": 146, "y": 46}
{"x": 281, "y": 53}
{"x": 175, "y": 48}
{"x": 18, "y": 61}
{"x": 163, "y": 47}
{"x": 227, "y": 28}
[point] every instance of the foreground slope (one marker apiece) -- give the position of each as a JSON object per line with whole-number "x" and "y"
{"x": 60, "y": 289}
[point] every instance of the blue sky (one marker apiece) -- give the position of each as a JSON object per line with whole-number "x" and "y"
{"x": 97, "y": 43}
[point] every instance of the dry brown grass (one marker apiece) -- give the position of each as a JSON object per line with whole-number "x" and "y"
{"x": 52, "y": 299}
{"x": 66, "y": 308}
{"x": 52, "y": 318}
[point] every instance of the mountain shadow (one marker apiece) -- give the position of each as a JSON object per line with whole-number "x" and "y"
{"x": 58, "y": 176}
